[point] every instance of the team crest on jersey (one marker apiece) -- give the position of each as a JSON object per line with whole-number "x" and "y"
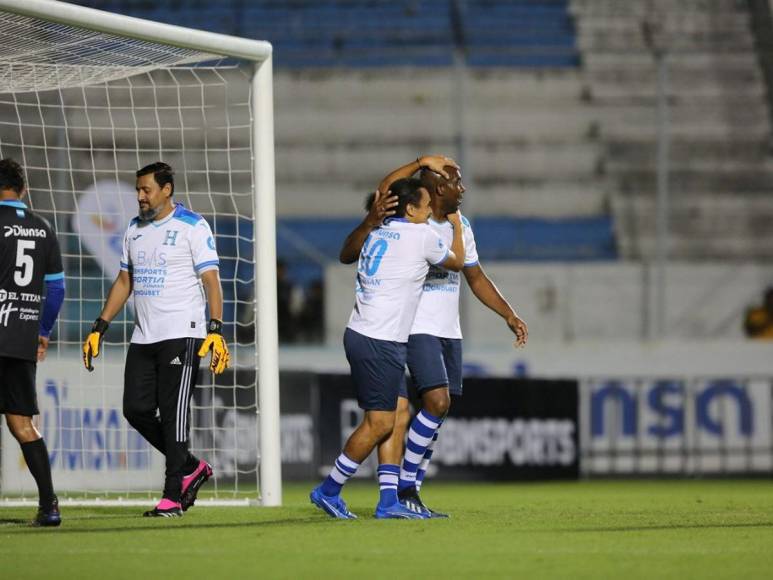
{"x": 22, "y": 232}
{"x": 171, "y": 237}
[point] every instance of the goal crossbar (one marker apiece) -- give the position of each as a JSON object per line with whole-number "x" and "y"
{"x": 131, "y": 27}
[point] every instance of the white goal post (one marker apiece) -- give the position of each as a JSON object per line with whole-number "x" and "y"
{"x": 180, "y": 53}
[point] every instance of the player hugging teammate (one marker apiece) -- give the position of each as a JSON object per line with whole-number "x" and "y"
{"x": 432, "y": 347}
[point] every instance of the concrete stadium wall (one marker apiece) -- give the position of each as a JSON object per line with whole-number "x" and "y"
{"x": 577, "y": 303}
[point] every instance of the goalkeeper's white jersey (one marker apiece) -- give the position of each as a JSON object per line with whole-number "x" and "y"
{"x": 390, "y": 273}
{"x": 438, "y": 312}
{"x": 165, "y": 259}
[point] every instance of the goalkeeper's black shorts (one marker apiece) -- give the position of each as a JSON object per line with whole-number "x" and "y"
{"x": 17, "y": 387}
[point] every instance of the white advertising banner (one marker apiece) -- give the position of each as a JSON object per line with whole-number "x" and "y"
{"x": 680, "y": 426}
{"x": 90, "y": 444}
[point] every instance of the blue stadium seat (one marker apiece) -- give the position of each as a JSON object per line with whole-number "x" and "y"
{"x": 373, "y": 33}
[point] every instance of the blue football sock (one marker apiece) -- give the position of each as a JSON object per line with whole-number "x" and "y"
{"x": 425, "y": 461}
{"x": 388, "y": 475}
{"x": 420, "y": 436}
{"x": 342, "y": 470}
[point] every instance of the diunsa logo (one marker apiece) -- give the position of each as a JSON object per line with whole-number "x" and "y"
{"x": 20, "y": 232}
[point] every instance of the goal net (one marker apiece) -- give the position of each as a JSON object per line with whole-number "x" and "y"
{"x": 83, "y": 105}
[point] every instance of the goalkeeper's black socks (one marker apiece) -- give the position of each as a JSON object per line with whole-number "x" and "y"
{"x": 191, "y": 464}
{"x": 36, "y": 456}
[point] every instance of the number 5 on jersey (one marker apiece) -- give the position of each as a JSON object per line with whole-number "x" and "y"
{"x": 24, "y": 263}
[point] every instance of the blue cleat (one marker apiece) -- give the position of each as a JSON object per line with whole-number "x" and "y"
{"x": 333, "y": 506}
{"x": 410, "y": 498}
{"x": 398, "y": 511}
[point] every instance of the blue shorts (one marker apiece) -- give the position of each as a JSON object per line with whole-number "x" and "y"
{"x": 434, "y": 362}
{"x": 378, "y": 370}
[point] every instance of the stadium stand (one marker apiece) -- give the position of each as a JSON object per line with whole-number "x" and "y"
{"x": 719, "y": 163}
{"x": 374, "y": 33}
{"x": 559, "y": 119}
{"x": 530, "y": 132}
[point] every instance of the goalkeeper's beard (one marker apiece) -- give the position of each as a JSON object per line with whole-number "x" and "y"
{"x": 149, "y": 214}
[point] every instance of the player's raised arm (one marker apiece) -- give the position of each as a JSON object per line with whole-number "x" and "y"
{"x": 436, "y": 163}
{"x": 380, "y": 206}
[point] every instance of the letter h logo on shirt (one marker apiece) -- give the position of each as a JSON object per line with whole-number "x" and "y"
{"x": 171, "y": 237}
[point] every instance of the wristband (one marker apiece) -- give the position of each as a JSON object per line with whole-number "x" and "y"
{"x": 100, "y": 325}
{"x": 215, "y": 326}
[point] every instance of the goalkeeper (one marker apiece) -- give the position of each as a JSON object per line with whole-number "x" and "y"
{"x": 168, "y": 255}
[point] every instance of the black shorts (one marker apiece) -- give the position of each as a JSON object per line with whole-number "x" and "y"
{"x": 18, "y": 395}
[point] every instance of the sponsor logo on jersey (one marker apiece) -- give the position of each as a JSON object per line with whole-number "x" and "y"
{"x": 5, "y": 312}
{"x": 22, "y": 232}
{"x": 29, "y": 314}
{"x": 24, "y": 296}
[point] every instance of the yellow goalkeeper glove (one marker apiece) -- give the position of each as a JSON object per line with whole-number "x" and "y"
{"x": 93, "y": 342}
{"x": 221, "y": 358}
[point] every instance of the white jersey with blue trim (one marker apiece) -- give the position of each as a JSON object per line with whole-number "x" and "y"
{"x": 165, "y": 259}
{"x": 438, "y": 312}
{"x": 393, "y": 264}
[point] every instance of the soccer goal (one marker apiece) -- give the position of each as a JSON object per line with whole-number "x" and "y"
{"x": 86, "y": 98}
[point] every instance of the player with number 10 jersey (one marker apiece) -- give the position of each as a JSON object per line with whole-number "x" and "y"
{"x": 393, "y": 264}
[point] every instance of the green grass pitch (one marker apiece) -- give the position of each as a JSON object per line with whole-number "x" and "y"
{"x": 597, "y": 529}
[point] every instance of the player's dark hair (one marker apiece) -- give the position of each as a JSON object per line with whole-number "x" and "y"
{"x": 11, "y": 176}
{"x": 162, "y": 173}
{"x": 408, "y": 191}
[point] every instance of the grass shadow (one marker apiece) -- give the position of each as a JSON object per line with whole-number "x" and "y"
{"x": 663, "y": 527}
{"x": 15, "y": 521}
{"x": 175, "y": 525}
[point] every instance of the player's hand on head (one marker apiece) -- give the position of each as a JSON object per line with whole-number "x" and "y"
{"x": 221, "y": 358}
{"x": 383, "y": 207}
{"x": 520, "y": 330}
{"x": 438, "y": 163}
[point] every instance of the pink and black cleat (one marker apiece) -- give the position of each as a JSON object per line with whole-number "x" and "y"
{"x": 166, "y": 508}
{"x": 192, "y": 482}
